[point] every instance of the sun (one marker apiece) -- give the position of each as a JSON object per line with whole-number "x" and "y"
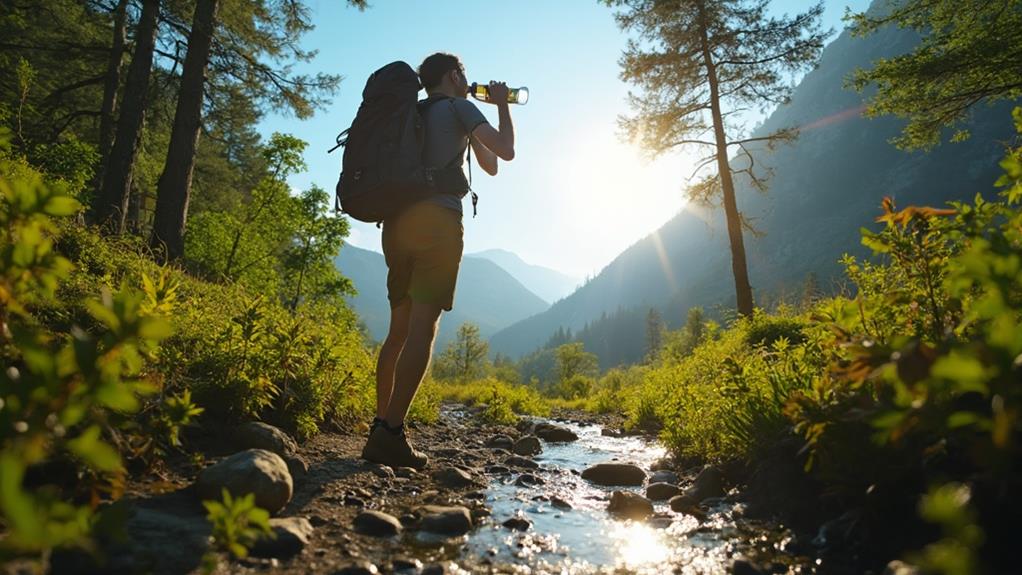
{"x": 611, "y": 195}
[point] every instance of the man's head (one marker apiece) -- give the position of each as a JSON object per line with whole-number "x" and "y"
{"x": 443, "y": 73}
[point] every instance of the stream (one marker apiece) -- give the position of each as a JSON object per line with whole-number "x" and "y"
{"x": 585, "y": 538}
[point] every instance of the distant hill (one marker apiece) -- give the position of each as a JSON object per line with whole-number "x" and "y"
{"x": 487, "y": 295}
{"x": 824, "y": 188}
{"x": 551, "y": 285}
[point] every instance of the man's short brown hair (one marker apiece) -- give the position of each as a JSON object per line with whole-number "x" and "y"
{"x": 433, "y": 68}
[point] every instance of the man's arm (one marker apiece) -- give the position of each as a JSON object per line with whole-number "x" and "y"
{"x": 502, "y": 141}
{"x": 485, "y": 157}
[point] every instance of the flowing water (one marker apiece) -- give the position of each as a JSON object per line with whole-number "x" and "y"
{"x": 587, "y": 539}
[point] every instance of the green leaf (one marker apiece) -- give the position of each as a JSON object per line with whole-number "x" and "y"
{"x": 61, "y": 206}
{"x": 94, "y": 451}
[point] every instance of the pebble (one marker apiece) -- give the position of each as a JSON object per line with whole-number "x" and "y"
{"x": 376, "y": 524}
{"x": 453, "y": 477}
{"x": 517, "y": 524}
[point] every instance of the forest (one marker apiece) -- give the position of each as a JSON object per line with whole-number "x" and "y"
{"x": 160, "y": 282}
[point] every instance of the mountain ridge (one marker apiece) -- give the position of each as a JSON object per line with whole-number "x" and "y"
{"x": 825, "y": 186}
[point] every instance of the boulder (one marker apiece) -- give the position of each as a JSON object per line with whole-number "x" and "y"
{"x": 664, "y": 476}
{"x": 256, "y": 471}
{"x": 291, "y": 535}
{"x": 661, "y": 491}
{"x": 528, "y": 445}
{"x": 453, "y": 477}
{"x": 554, "y": 433}
{"x": 297, "y": 467}
{"x": 615, "y": 474}
{"x": 709, "y": 483}
{"x": 608, "y": 432}
{"x": 518, "y": 461}
{"x": 259, "y": 435}
{"x": 500, "y": 442}
{"x": 454, "y": 520}
{"x": 376, "y": 524}
{"x": 630, "y": 505}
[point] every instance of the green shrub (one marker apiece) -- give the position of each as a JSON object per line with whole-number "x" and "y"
{"x": 237, "y": 523}
{"x": 60, "y": 391}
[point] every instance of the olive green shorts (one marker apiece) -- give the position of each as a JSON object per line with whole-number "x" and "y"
{"x": 422, "y": 247}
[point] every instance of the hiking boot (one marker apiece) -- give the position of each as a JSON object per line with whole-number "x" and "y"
{"x": 390, "y": 447}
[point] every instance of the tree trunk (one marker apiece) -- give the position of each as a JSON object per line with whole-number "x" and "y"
{"x": 176, "y": 181}
{"x": 110, "y": 86}
{"x": 111, "y": 204}
{"x": 739, "y": 268}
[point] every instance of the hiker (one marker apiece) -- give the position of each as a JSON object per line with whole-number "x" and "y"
{"x": 422, "y": 246}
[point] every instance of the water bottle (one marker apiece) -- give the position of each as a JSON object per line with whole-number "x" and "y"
{"x": 481, "y": 92}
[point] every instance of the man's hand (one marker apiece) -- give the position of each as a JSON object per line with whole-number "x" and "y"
{"x": 498, "y": 93}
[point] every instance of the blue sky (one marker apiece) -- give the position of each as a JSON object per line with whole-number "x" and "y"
{"x": 576, "y": 195}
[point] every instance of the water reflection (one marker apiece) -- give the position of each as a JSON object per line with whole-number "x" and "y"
{"x": 638, "y": 545}
{"x": 585, "y": 539}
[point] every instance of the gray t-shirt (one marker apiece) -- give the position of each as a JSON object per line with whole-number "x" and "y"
{"x": 447, "y": 126}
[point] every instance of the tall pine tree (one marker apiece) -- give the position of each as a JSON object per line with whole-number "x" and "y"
{"x": 699, "y": 64}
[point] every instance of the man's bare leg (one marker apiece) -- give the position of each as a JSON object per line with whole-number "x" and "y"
{"x": 413, "y": 360}
{"x": 389, "y": 353}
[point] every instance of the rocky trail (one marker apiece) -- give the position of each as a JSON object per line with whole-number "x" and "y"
{"x": 559, "y": 496}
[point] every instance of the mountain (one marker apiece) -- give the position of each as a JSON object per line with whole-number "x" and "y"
{"x": 823, "y": 188}
{"x": 487, "y": 295}
{"x": 551, "y": 285}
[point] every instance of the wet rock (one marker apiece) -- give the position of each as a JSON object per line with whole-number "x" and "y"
{"x": 406, "y": 472}
{"x": 405, "y": 565}
{"x": 554, "y": 433}
{"x": 517, "y": 524}
{"x": 709, "y": 483}
{"x": 500, "y": 442}
{"x": 518, "y": 461}
{"x": 498, "y": 470}
{"x": 559, "y": 503}
{"x": 664, "y": 476}
{"x": 453, "y": 520}
{"x": 528, "y": 479}
{"x": 256, "y": 471}
{"x": 291, "y": 536}
{"x": 661, "y": 491}
{"x": 608, "y": 432}
{"x": 686, "y": 504}
{"x": 259, "y": 435}
{"x": 453, "y": 477}
{"x": 615, "y": 474}
{"x": 361, "y": 567}
{"x": 630, "y": 505}
{"x": 528, "y": 445}
{"x": 376, "y": 524}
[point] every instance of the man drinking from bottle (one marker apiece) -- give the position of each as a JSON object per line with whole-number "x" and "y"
{"x": 423, "y": 244}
